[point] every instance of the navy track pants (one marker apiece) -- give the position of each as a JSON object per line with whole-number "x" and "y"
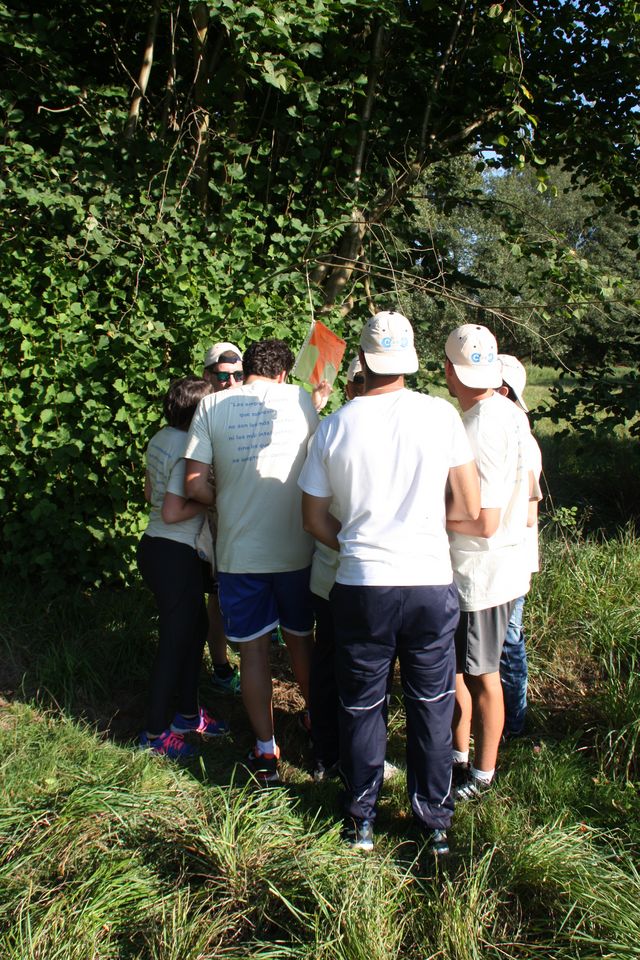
{"x": 372, "y": 625}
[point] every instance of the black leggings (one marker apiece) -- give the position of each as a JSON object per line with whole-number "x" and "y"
{"x": 175, "y": 575}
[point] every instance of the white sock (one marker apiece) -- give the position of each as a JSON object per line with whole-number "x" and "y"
{"x": 485, "y": 776}
{"x": 266, "y": 746}
{"x": 460, "y": 757}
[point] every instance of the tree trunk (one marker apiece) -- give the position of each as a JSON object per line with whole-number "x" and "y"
{"x": 170, "y": 112}
{"x": 374, "y": 69}
{"x": 200, "y": 17}
{"x": 345, "y": 260}
{"x": 145, "y": 71}
{"x": 350, "y": 249}
{"x": 334, "y": 278}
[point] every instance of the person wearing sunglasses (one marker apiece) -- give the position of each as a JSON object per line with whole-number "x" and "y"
{"x": 223, "y": 370}
{"x": 223, "y": 367}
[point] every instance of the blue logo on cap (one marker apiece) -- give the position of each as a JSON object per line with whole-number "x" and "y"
{"x": 476, "y": 357}
{"x": 386, "y": 342}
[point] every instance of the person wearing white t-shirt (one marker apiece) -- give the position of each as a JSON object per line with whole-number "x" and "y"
{"x": 514, "y": 669}
{"x": 323, "y": 688}
{"x": 256, "y": 438}
{"x": 223, "y": 370}
{"x": 171, "y": 568}
{"x": 489, "y": 554}
{"x": 392, "y": 464}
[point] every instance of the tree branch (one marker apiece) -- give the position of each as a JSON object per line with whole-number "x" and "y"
{"x": 470, "y": 128}
{"x": 442, "y": 66}
{"x": 367, "y": 110}
{"x": 200, "y": 17}
{"x": 169, "y": 114}
{"x": 143, "y": 79}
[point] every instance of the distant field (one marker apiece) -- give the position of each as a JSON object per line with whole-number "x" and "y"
{"x": 537, "y": 392}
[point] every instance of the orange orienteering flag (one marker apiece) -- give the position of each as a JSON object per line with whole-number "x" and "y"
{"x": 320, "y": 355}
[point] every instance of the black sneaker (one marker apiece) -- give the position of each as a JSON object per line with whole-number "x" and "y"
{"x": 264, "y": 766}
{"x": 322, "y": 772}
{"x": 227, "y": 684}
{"x": 471, "y": 789}
{"x": 358, "y": 834}
{"x": 459, "y": 774}
{"x": 437, "y": 843}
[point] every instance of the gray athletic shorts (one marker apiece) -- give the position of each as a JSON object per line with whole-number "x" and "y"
{"x": 479, "y": 639}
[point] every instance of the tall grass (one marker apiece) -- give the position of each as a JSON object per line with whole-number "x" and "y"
{"x": 105, "y": 852}
{"x": 77, "y": 650}
{"x": 585, "y": 629}
{"x": 105, "y": 847}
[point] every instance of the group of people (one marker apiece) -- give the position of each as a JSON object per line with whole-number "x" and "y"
{"x": 392, "y": 530}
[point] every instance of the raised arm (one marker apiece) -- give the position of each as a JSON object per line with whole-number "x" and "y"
{"x": 320, "y": 394}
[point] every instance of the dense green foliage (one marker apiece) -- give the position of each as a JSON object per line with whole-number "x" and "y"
{"x": 269, "y": 163}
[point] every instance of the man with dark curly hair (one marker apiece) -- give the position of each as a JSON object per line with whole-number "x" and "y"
{"x": 256, "y": 438}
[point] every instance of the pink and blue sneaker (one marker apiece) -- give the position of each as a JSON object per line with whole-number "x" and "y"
{"x": 168, "y": 744}
{"x": 204, "y": 725}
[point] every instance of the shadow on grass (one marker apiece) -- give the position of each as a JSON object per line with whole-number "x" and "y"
{"x": 89, "y": 655}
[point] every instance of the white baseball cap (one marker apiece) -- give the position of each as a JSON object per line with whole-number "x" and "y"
{"x": 473, "y": 351}
{"x": 387, "y": 343}
{"x": 214, "y": 353}
{"x": 515, "y": 376}
{"x": 354, "y": 367}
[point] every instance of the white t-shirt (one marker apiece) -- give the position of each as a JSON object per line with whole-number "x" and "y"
{"x": 385, "y": 460}
{"x": 324, "y": 566}
{"x": 495, "y": 570}
{"x": 256, "y": 437}
{"x": 535, "y": 464}
{"x": 165, "y": 466}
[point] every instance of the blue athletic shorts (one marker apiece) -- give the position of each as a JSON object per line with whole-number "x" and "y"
{"x": 253, "y": 604}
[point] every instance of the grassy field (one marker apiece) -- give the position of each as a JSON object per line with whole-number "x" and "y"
{"x": 109, "y": 853}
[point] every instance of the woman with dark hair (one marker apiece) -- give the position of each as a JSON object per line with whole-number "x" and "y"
{"x": 173, "y": 571}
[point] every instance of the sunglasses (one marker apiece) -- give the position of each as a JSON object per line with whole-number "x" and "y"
{"x": 359, "y": 378}
{"x": 223, "y": 376}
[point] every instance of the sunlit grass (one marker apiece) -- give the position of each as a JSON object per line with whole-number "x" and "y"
{"x": 110, "y": 853}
